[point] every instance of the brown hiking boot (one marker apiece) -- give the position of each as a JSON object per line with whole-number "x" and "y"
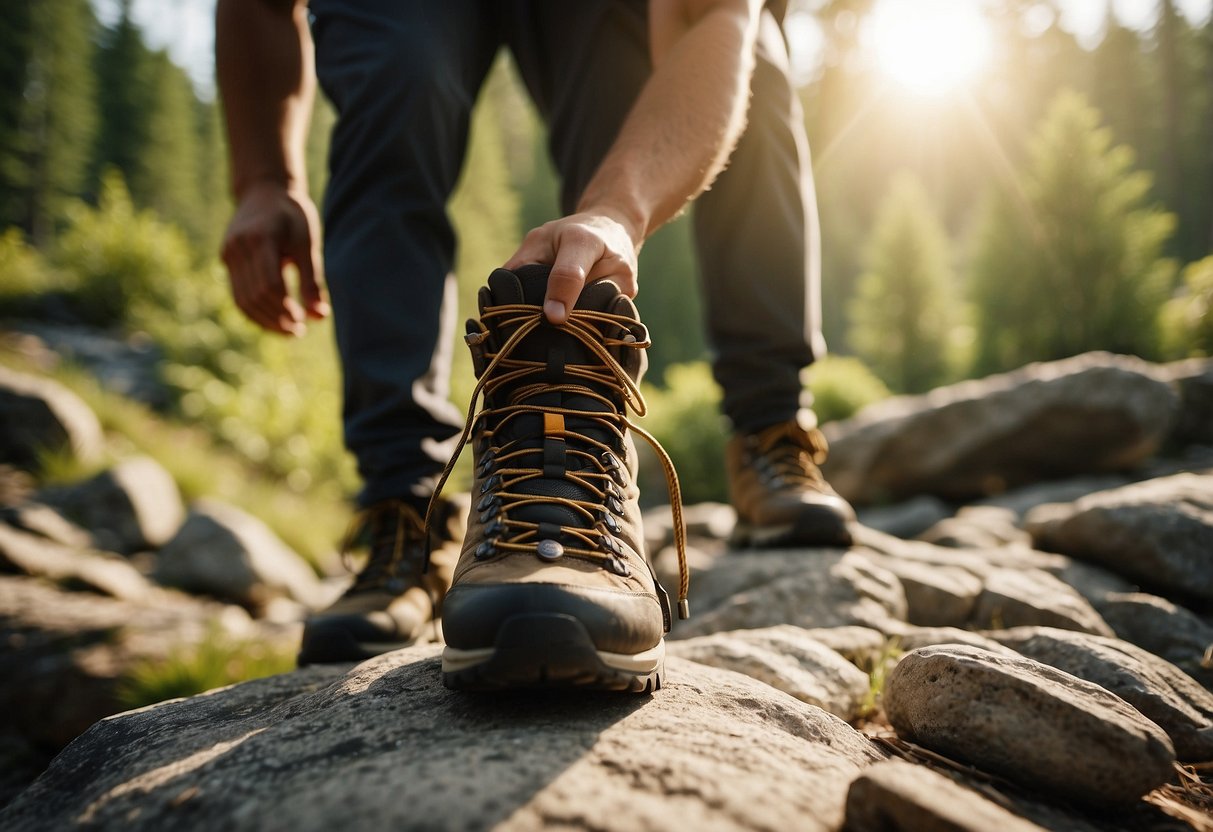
{"x": 553, "y": 587}
{"x": 778, "y": 491}
{"x": 394, "y": 597}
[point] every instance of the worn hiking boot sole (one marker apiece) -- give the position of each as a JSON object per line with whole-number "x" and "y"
{"x": 550, "y": 650}
{"x": 817, "y": 528}
{"x": 336, "y": 645}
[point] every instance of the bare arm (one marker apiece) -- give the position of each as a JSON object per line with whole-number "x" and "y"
{"x": 676, "y": 139}
{"x": 263, "y": 52}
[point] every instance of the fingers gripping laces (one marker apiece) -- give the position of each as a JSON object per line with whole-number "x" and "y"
{"x": 511, "y": 461}
{"x": 791, "y": 453}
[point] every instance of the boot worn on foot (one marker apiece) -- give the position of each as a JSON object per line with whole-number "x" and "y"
{"x": 778, "y": 491}
{"x": 553, "y": 587}
{"x": 394, "y": 597}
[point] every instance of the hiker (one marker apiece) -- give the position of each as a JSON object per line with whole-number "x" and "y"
{"x": 644, "y": 103}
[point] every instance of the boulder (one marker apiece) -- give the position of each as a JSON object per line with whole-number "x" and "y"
{"x": 384, "y": 745}
{"x": 1165, "y": 629}
{"x": 38, "y": 415}
{"x": 225, "y": 552}
{"x": 1033, "y": 597}
{"x": 74, "y": 568}
{"x": 907, "y": 638}
{"x": 131, "y": 507}
{"x": 1029, "y": 723}
{"x": 1093, "y": 413}
{"x": 1158, "y": 532}
{"x": 1194, "y": 380}
{"x": 787, "y": 659}
{"x": 42, "y": 520}
{"x": 859, "y": 645}
{"x": 807, "y": 588}
{"x": 1022, "y": 500}
{"x": 898, "y": 797}
{"x": 1158, "y": 689}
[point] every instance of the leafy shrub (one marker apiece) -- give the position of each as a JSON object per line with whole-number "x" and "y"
{"x": 842, "y": 386}
{"x": 685, "y": 418}
{"x": 25, "y": 275}
{"x": 1186, "y": 320}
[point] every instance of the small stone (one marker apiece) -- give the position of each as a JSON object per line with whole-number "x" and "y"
{"x": 225, "y": 552}
{"x": 936, "y": 596}
{"x": 907, "y": 637}
{"x": 41, "y": 558}
{"x": 1158, "y": 532}
{"x": 977, "y": 527}
{"x": 1158, "y": 689}
{"x": 1019, "y": 598}
{"x": 38, "y": 415}
{"x": 131, "y": 507}
{"x": 787, "y": 659}
{"x": 898, "y": 797}
{"x": 711, "y": 520}
{"x": 858, "y": 645}
{"x": 44, "y": 521}
{"x": 1025, "y": 721}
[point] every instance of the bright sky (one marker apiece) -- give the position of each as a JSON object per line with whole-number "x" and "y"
{"x": 186, "y": 27}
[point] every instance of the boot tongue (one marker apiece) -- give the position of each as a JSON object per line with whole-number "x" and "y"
{"x": 556, "y": 350}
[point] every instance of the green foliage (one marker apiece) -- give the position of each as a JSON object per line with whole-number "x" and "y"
{"x": 1186, "y": 320}
{"x": 684, "y": 416}
{"x": 1076, "y": 262}
{"x": 842, "y": 386}
{"x": 219, "y": 660}
{"x": 47, "y": 110}
{"x": 904, "y": 314}
{"x": 24, "y": 272}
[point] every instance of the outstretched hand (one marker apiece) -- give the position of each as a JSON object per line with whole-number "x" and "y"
{"x": 271, "y": 227}
{"x": 581, "y": 248}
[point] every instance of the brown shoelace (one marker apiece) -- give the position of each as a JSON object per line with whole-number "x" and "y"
{"x": 601, "y": 468}
{"x": 787, "y": 453}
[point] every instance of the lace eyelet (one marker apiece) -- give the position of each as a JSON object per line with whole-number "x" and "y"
{"x": 485, "y": 550}
{"x": 618, "y": 566}
{"x": 491, "y": 484}
{"x": 611, "y": 523}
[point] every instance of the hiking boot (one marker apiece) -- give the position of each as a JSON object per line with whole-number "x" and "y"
{"x": 553, "y": 587}
{"x": 394, "y": 597}
{"x": 778, "y": 491}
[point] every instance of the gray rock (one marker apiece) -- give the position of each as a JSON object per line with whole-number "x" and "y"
{"x": 906, "y": 519}
{"x": 711, "y": 520}
{"x": 858, "y": 645}
{"x": 1161, "y": 691}
{"x": 44, "y": 521}
{"x": 1022, "y": 500}
{"x": 38, "y": 415}
{"x": 386, "y": 746}
{"x": 1029, "y": 723}
{"x": 936, "y": 595}
{"x": 907, "y": 637}
{"x": 67, "y": 655}
{"x": 40, "y": 558}
{"x": 1091, "y": 582}
{"x": 894, "y": 796}
{"x": 978, "y": 562}
{"x": 1093, "y": 413}
{"x": 807, "y": 588}
{"x": 1194, "y": 423}
{"x": 131, "y": 507}
{"x": 977, "y": 527}
{"x": 225, "y": 552}
{"x": 1158, "y": 532}
{"x": 1165, "y": 629}
{"x": 787, "y": 659}
{"x": 1032, "y": 597}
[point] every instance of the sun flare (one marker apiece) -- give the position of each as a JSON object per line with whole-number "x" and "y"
{"x": 929, "y": 46}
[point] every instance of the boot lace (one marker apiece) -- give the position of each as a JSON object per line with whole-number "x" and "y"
{"x": 396, "y": 533}
{"x": 788, "y": 455}
{"x": 512, "y": 461}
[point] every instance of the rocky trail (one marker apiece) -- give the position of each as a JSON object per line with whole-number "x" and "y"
{"x": 1021, "y": 638}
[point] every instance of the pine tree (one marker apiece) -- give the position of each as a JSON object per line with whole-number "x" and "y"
{"x": 48, "y": 116}
{"x": 125, "y": 87}
{"x": 165, "y": 177}
{"x": 1072, "y": 260}
{"x": 904, "y": 313}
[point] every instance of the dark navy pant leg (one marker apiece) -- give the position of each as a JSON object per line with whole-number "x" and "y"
{"x": 403, "y": 77}
{"x": 758, "y": 241}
